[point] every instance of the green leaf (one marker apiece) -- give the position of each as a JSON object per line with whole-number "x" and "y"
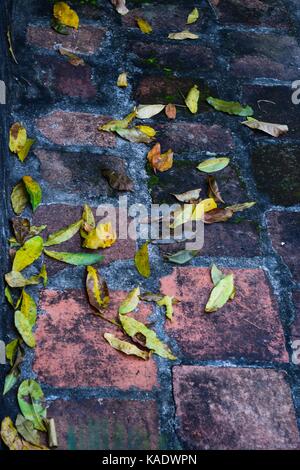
{"x": 64, "y": 234}
{"x": 220, "y": 294}
{"x": 31, "y": 403}
{"x": 24, "y": 328}
{"x": 167, "y": 302}
{"x": 28, "y": 308}
{"x": 76, "y": 259}
{"x": 216, "y": 274}
{"x": 125, "y": 347}
{"x": 134, "y": 135}
{"x": 130, "y": 302}
{"x": 44, "y": 275}
{"x": 19, "y": 198}
{"x": 118, "y": 124}
{"x": 88, "y": 221}
{"x": 141, "y": 260}
{"x": 8, "y": 296}
{"x": 193, "y": 16}
{"x": 133, "y": 328}
{"x": 230, "y": 107}
{"x": 11, "y": 350}
{"x": 22, "y": 154}
{"x": 182, "y": 257}
{"x": 192, "y": 99}
{"x": 26, "y": 429}
{"x": 28, "y": 253}
{"x": 10, "y": 380}
{"x": 16, "y": 279}
{"x": 97, "y": 289}
{"x": 213, "y": 164}
{"x": 34, "y": 191}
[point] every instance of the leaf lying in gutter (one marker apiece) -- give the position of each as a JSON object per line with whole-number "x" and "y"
{"x": 212, "y": 165}
{"x": 216, "y": 274}
{"x": 143, "y": 335}
{"x": 230, "y": 107}
{"x": 141, "y": 260}
{"x": 11, "y": 350}
{"x": 120, "y": 6}
{"x": 170, "y": 111}
{"x": 13, "y": 375}
{"x": 103, "y": 236}
{"x": 19, "y": 198}
{"x": 130, "y": 302}
{"x": 26, "y": 429}
{"x": 186, "y": 34}
{"x": 125, "y": 347}
{"x": 275, "y": 130}
{"x": 88, "y": 221}
{"x": 97, "y": 289}
{"x": 147, "y": 111}
{"x": 204, "y": 206}
{"x": 28, "y": 253}
{"x": 32, "y": 403}
{"x": 160, "y": 161}
{"x": 114, "y": 125}
{"x": 220, "y": 294}
{"x": 12, "y": 439}
{"x": 134, "y": 135}
{"x": 25, "y": 319}
{"x": 63, "y": 234}
{"x": 192, "y": 99}
{"x": 182, "y": 257}
{"x": 188, "y": 196}
{"x": 65, "y": 15}
{"x": 33, "y": 190}
{"x": 213, "y": 189}
{"x": 193, "y": 16}
{"x": 76, "y": 259}
{"x": 167, "y": 302}
{"x": 73, "y": 59}
{"x": 122, "y": 80}
{"x": 144, "y": 26}
{"x": 118, "y": 180}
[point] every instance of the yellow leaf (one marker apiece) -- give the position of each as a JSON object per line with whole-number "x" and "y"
{"x": 192, "y": 99}
{"x": 19, "y": 198}
{"x": 125, "y": 347}
{"x": 88, "y": 221}
{"x": 203, "y": 206}
{"x": 160, "y": 161}
{"x": 149, "y": 131}
{"x": 22, "y": 154}
{"x": 65, "y": 15}
{"x": 122, "y": 80}
{"x": 34, "y": 191}
{"x": 17, "y": 137}
{"x": 193, "y": 16}
{"x": 144, "y": 26}
{"x": 141, "y": 260}
{"x": 221, "y": 293}
{"x": 147, "y": 111}
{"x": 186, "y": 34}
{"x": 97, "y": 289}
{"x": 167, "y": 302}
{"x": 28, "y": 253}
{"x": 130, "y": 302}
{"x": 103, "y": 236}
{"x": 118, "y": 124}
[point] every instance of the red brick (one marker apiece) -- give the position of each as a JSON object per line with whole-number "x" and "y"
{"x": 246, "y": 327}
{"x": 71, "y": 350}
{"x": 296, "y": 324}
{"x": 57, "y": 216}
{"x": 284, "y": 230}
{"x": 72, "y": 128}
{"x": 106, "y": 424}
{"x": 185, "y": 137}
{"x": 87, "y": 40}
{"x": 234, "y": 408}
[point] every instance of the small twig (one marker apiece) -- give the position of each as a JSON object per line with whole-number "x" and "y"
{"x": 10, "y": 47}
{"x": 264, "y": 101}
{"x": 253, "y": 324}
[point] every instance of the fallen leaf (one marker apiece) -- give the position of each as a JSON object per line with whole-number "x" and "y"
{"x": 216, "y": 274}
{"x": 97, "y": 289}
{"x": 186, "y": 34}
{"x": 192, "y": 99}
{"x": 122, "y": 80}
{"x": 213, "y": 189}
{"x": 103, "y": 236}
{"x": 65, "y": 15}
{"x": 149, "y": 131}
{"x": 17, "y": 137}
{"x": 182, "y": 257}
{"x": 141, "y": 260}
{"x": 188, "y": 196}
{"x": 167, "y": 302}
{"x": 220, "y": 294}
{"x": 76, "y": 259}
{"x": 182, "y": 216}
{"x": 26, "y": 429}
{"x": 19, "y": 198}
{"x": 136, "y": 330}
{"x": 8, "y": 296}
{"x": 134, "y": 135}
{"x": 13, "y": 375}
{"x": 63, "y": 234}
{"x": 10, "y": 45}
{"x": 193, "y": 16}
{"x": 130, "y": 302}
{"x": 33, "y": 190}
{"x": 147, "y": 111}
{"x": 73, "y": 59}
{"x": 144, "y": 26}
{"x": 230, "y": 107}
{"x": 217, "y": 215}
{"x": 11, "y": 350}
{"x": 125, "y": 347}
{"x": 118, "y": 180}
{"x": 241, "y": 207}
{"x": 43, "y": 275}
{"x": 120, "y": 6}
{"x": 160, "y": 161}
{"x": 12, "y": 440}
{"x": 88, "y": 221}
{"x": 28, "y": 253}
{"x": 16, "y": 279}
{"x": 272, "y": 129}
{"x": 32, "y": 403}
{"x": 212, "y": 165}
{"x": 206, "y": 205}
{"x": 170, "y": 111}
{"x": 59, "y": 27}
{"x": 115, "y": 125}
{"x": 25, "y": 319}
{"x": 21, "y": 229}
{"x": 150, "y": 297}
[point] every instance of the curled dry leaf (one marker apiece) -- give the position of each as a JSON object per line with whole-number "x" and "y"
{"x": 76, "y": 259}
{"x": 63, "y": 234}
{"x": 34, "y": 191}
{"x": 221, "y": 293}
{"x": 141, "y": 260}
{"x": 97, "y": 289}
{"x": 167, "y": 302}
{"x": 193, "y": 16}
{"x": 28, "y": 253}
{"x": 218, "y": 215}
{"x": 274, "y": 130}
{"x": 115, "y": 125}
{"x": 160, "y": 161}
{"x": 73, "y": 59}
{"x": 170, "y": 111}
{"x": 130, "y": 302}
{"x": 147, "y": 111}
{"x": 118, "y": 180}
{"x": 186, "y": 34}
{"x": 21, "y": 229}
{"x": 122, "y": 80}
{"x": 212, "y": 165}
{"x": 144, "y": 26}
{"x": 103, "y": 236}
{"x": 213, "y": 189}
{"x": 192, "y": 99}
{"x": 230, "y": 107}
{"x": 125, "y": 347}
{"x": 134, "y": 135}
{"x": 65, "y": 15}
{"x": 188, "y": 196}
{"x": 120, "y": 6}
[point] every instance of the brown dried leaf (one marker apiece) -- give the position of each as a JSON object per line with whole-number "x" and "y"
{"x": 213, "y": 189}
{"x": 160, "y": 161}
{"x": 118, "y": 180}
{"x": 170, "y": 111}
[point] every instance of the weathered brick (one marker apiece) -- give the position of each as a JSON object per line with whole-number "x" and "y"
{"x": 247, "y": 327}
{"x": 273, "y": 104}
{"x": 74, "y": 128}
{"x": 261, "y": 55}
{"x": 106, "y": 424}
{"x": 284, "y": 231}
{"x": 87, "y": 40}
{"x": 78, "y": 173}
{"x": 252, "y": 12}
{"x": 277, "y": 173}
{"x": 185, "y": 137}
{"x": 57, "y": 216}
{"x": 61, "y": 77}
{"x": 71, "y": 350}
{"x": 296, "y": 324}
{"x": 234, "y": 408}
{"x": 173, "y": 56}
